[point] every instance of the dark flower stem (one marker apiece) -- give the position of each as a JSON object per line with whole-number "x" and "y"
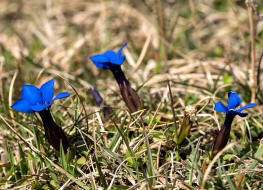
{"x": 53, "y": 132}
{"x": 118, "y": 74}
{"x": 129, "y": 95}
{"x": 223, "y": 135}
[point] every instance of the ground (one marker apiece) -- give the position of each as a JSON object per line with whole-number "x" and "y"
{"x": 203, "y": 49}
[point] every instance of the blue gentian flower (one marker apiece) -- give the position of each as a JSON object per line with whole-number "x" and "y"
{"x": 233, "y": 102}
{"x": 34, "y": 99}
{"x": 109, "y": 58}
{"x": 113, "y": 61}
{"x": 230, "y": 110}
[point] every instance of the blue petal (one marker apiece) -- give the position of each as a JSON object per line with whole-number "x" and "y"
{"x": 104, "y": 61}
{"x": 100, "y": 61}
{"x": 32, "y": 94}
{"x": 247, "y": 106}
{"x": 47, "y": 91}
{"x": 233, "y": 100}
{"x": 113, "y": 58}
{"x": 40, "y": 107}
{"x": 242, "y": 114}
{"x": 220, "y": 107}
{"x": 121, "y": 60}
{"x": 120, "y": 50}
{"x": 22, "y": 106}
{"x": 60, "y": 96}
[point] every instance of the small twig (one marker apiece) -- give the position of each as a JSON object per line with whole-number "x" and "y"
{"x": 174, "y": 118}
{"x": 258, "y": 72}
{"x": 253, "y": 52}
{"x": 161, "y": 21}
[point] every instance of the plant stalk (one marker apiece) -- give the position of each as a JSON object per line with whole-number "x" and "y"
{"x": 253, "y": 51}
{"x": 53, "y": 132}
{"x": 223, "y": 135}
{"x": 128, "y": 94}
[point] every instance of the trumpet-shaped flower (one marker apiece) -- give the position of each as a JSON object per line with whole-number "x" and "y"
{"x": 34, "y": 99}
{"x": 109, "y": 59}
{"x": 113, "y": 61}
{"x": 233, "y": 102}
{"x": 230, "y": 110}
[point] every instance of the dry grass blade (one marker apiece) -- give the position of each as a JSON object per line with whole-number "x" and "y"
{"x": 10, "y": 94}
{"x": 253, "y": 50}
{"x": 143, "y": 52}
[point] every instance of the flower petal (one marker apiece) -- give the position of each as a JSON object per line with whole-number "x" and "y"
{"x": 113, "y": 58}
{"x": 47, "y": 91}
{"x": 22, "y": 106}
{"x": 220, "y": 107}
{"x": 233, "y": 100}
{"x": 242, "y": 114}
{"x": 104, "y": 61}
{"x": 121, "y": 60}
{"x": 40, "y": 107}
{"x": 60, "y": 96}
{"x": 32, "y": 94}
{"x": 100, "y": 61}
{"x": 247, "y": 106}
{"x": 120, "y": 50}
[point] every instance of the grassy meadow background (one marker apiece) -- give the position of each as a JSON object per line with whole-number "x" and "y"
{"x": 202, "y": 47}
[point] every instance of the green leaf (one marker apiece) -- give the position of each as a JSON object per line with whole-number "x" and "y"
{"x": 22, "y": 163}
{"x": 227, "y": 79}
{"x": 184, "y": 130}
{"x": 231, "y": 184}
{"x": 115, "y": 143}
{"x": 194, "y": 159}
{"x": 54, "y": 184}
{"x": 63, "y": 157}
{"x": 258, "y": 156}
{"x": 82, "y": 160}
{"x": 129, "y": 158}
{"x": 10, "y": 157}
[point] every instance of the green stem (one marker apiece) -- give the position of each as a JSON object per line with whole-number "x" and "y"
{"x": 128, "y": 147}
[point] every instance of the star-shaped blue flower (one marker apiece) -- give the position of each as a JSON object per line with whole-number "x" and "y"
{"x": 34, "y": 99}
{"x": 233, "y": 102}
{"x": 109, "y": 58}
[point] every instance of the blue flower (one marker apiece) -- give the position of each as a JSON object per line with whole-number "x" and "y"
{"x": 109, "y": 58}
{"x": 233, "y": 102}
{"x": 34, "y": 99}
